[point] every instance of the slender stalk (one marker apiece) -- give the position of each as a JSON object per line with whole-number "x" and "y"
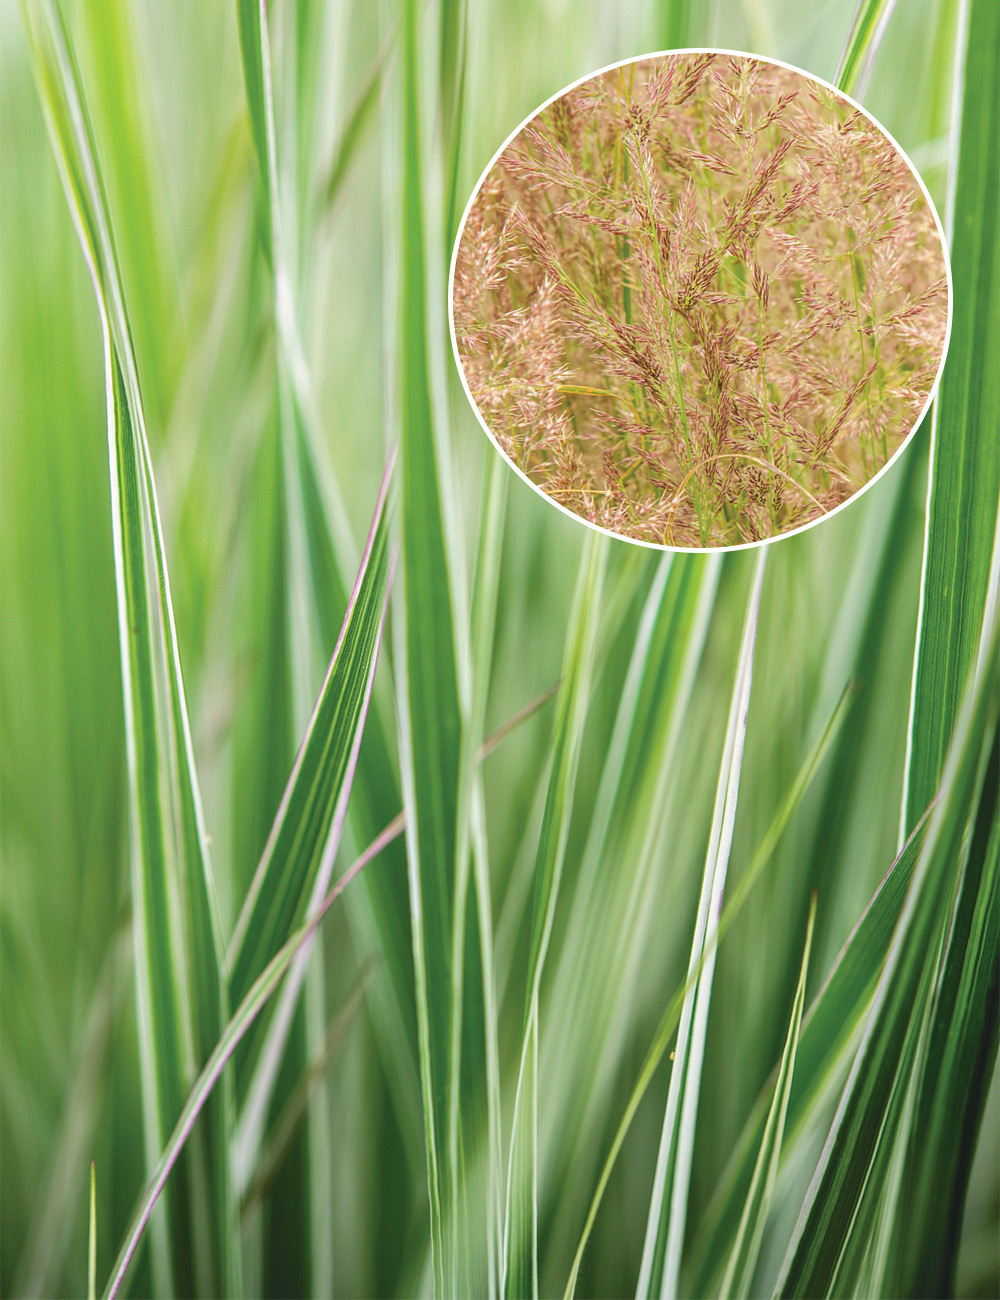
{"x": 767, "y": 413}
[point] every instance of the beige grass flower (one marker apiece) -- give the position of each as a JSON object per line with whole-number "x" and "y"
{"x": 700, "y": 300}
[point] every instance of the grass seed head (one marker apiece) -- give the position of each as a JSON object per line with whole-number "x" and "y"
{"x": 700, "y": 300}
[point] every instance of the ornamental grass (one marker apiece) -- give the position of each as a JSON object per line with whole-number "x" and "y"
{"x": 700, "y": 300}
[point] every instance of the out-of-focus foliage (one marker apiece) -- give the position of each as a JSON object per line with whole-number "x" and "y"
{"x": 469, "y": 1088}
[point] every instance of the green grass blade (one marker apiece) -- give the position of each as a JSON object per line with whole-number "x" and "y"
{"x": 308, "y": 602}
{"x": 520, "y": 1271}
{"x": 358, "y": 119}
{"x": 298, "y": 853}
{"x": 657, "y": 685}
{"x": 856, "y": 650}
{"x": 430, "y": 714}
{"x": 671, "y": 1016}
{"x": 319, "y": 803}
{"x": 746, "y": 1248}
{"x": 919, "y": 1245}
{"x": 310, "y": 595}
{"x": 958, "y": 598}
{"x": 252, "y": 1116}
{"x": 571, "y": 705}
{"x": 901, "y": 1243}
{"x": 242, "y": 1020}
{"x": 520, "y": 1274}
{"x": 959, "y": 1064}
{"x": 864, "y": 1128}
{"x": 595, "y": 973}
{"x": 260, "y": 1090}
{"x": 299, "y": 856}
{"x": 483, "y": 630}
{"x": 668, "y": 1210}
{"x": 92, "y": 1238}
{"x": 452, "y": 71}
{"x": 436, "y": 748}
{"x": 234, "y": 1031}
{"x": 279, "y": 1139}
{"x": 264, "y": 730}
{"x": 106, "y": 38}
{"x": 43, "y": 1254}
{"x": 964, "y": 484}
{"x": 870, "y": 19}
{"x": 677, "y": 25}
{"x": 830, "y": 1031}
{"x": 251, "y": 15}
{"x": 181, "y": 992}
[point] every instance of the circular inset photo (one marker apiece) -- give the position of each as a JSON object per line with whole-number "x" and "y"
{"x": 700, "y": 300}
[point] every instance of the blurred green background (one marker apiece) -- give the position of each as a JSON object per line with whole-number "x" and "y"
{"x": 166, "y": 94}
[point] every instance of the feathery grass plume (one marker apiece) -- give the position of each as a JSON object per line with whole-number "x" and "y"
{"x": 700, "y": 300}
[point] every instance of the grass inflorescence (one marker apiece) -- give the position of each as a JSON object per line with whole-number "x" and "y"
{"x": 700, "y": 300}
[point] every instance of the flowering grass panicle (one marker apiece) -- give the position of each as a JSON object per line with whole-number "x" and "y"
{"x": 700, "y": 300}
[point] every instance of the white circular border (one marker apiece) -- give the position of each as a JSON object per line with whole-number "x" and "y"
{"x": 778, "y": 537}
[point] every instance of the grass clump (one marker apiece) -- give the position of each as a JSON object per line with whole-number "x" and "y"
{"x": 377, "y": 915}
{"x": 700, "y": 300}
